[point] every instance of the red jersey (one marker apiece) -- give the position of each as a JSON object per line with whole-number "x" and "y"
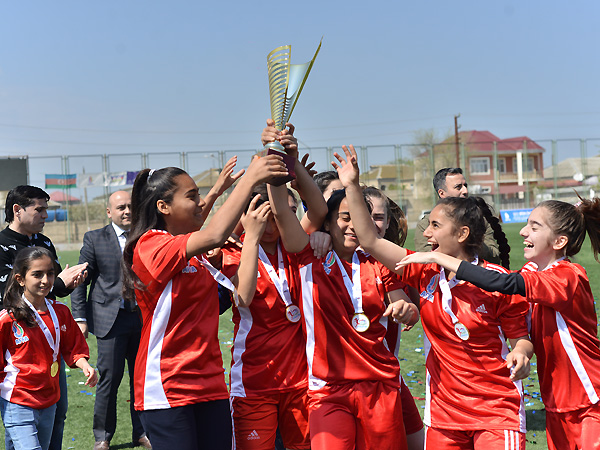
{"x": 179, "y": 360}
{"x": 468, "y": 385}
{"x": 565, "y": 336}
{"x": 26, "y": 357}
{"x": 268, "y": 353}
{"x": 338, "y": 353}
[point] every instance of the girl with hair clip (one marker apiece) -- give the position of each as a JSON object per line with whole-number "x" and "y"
{"x": 563, "y": 323}
{"x": 179, "y": 385}
{"x": 474, "y": 393}
{"x": 391, "y": 224}
{"x": 353, "y": 379}
{"x": 33, "y": 332}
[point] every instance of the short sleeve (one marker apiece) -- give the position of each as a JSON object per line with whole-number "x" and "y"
{"x": 161, "y": 254}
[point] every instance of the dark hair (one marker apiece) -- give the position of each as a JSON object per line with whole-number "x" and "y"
{"x": 398, "y": 226}
{"x": 333, "y": 204}
{"x": 261, "y": 190}
{"x": 23, "y": 196}
{"x": 573, "y": 221}
{"x": 471, "y": 212}
{"x": 148, "y": 189}
{"x": 439, "y": 180}
{"x": 323, "y": 179}
{"x": 13, "y": 296}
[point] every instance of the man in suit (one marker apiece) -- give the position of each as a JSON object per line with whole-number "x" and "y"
{"x": 115, "y": 323}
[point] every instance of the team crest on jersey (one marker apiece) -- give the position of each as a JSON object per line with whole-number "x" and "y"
{"x": 427, "y": 294}
{"x": 329, "y": 261}
{"x": 189, "y": 269}
{"x": 20, "y": 337}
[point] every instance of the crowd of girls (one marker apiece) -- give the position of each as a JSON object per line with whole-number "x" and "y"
{"x": 317, "y": 310}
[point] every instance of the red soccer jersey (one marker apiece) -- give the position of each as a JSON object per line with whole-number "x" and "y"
{"x": 179, "y": 360}
{"x": 564, "y": 334}
{"x": 468, "y": 385}
{"x": 336, "y": 352}
{"x": 268, "y": 353}
{"x": 26, "y": 357}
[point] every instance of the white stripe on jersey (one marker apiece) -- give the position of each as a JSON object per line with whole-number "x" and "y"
{"x": 384, "y": 321}
{"x": 518, "y": 383}
{"x": 427, "y": 414}
{"x": 10, "y": 379}
{"x": 569, "y": 346}
{"x": 512, "y": 440}
{"x": 309, "y": 319}
{"x": 239, "y": 347}
{"x": 154, "y": 392}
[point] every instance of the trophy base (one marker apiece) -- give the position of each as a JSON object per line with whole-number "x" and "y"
{"x": 275, "y": 148}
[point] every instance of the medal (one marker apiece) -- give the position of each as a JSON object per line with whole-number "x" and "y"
{"x": 292, "y": 313}
{"x": 54, "y": 369}
{"x": 461, "y": 331}
{"x": 360, "y": 322}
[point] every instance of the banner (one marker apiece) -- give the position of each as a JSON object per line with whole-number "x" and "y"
{"x": 515, "y": 215}
{"x": 85, "y": 180}
{"x": 91, "y": 179}
{"x": 58, "y": 181}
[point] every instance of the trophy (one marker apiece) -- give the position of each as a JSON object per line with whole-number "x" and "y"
{"x": 285, "y": 85}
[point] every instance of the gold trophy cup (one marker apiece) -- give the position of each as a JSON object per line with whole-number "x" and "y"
{"x": 285, "y": 85}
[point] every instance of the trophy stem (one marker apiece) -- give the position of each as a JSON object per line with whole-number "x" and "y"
{"x": 275, "y": 148}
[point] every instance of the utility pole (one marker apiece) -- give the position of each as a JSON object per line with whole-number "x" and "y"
{"x": 456, "y": 139}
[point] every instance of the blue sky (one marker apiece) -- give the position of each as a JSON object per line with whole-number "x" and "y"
{"x": 129, "y": 76}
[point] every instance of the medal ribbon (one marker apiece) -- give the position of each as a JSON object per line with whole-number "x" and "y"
{"x": 217, "y": 275}
{"x": 280, "y": 281}
{"x": 352, "y": 286}
{"x": 445, "y": 287}
{"x": 54, "y": 343}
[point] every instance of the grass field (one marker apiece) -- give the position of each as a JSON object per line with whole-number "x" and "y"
{"x": 78, "y": 429}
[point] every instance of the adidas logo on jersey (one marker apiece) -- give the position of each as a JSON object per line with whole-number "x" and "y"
{"x": 63, "y": 328}
{"x": 253, "y": 436}
{"x": 481, "y": 309}
{"x": 189, "y": 269}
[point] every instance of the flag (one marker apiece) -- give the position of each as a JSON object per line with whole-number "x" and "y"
{"x": 91, "y": 179}
{"x": 59, "y": 181}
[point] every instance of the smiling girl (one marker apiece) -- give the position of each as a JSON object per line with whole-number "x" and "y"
{"x": 563, "y": 324}
{"x": 179, "y": 383}
{"x": 474, "y": 396}
{"x": 34, "y": 331}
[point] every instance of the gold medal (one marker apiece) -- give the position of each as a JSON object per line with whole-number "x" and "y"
{"x": 461, "y": 331}
{"x": 54, "y": 369}
{"x": 360, "y": 322}
{"x": 292, "y": 313}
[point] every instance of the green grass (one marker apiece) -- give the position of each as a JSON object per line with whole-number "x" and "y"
{"x": 78, "y": 428}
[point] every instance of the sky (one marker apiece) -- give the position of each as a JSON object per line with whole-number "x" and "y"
{"x": 131, "y": 76}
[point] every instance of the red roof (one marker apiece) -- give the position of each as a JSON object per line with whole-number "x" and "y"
{"x": 483, "y": 141}
{"x": 60, "y": 197}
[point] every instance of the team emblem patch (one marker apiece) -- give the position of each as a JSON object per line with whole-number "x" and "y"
{"x": 19, "y": 333}
{"x": 427, "y": 294}
{"x": 329, "y": 261}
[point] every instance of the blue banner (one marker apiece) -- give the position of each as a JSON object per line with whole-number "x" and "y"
{"x": 515, "y": 215}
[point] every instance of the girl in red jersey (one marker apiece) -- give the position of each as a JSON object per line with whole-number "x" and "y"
{"x": 179, "y": 383}
{"x": 269, "y": 371}
{"x": 563, "y": 323}
{"x": 354, "y": 398}
{"x": 474, "y": 398}
{"x": 391, "y": 224}
{"x": 33, "y": 331}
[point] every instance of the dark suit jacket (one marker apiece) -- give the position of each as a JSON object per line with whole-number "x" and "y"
{"x": 100, "y": 306}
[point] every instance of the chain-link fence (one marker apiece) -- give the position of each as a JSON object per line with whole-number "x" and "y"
{"x": 510, "y": 174}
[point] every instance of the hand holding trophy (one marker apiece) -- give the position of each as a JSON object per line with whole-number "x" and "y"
{"x": 285, "y": 85}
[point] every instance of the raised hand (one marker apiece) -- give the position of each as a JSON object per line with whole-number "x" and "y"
{"x": 74, "y": 276}
{"x": 256, "y": 218}
{"x": 347, "y": 169}
{"x": 285, "y": 137}
{"x": 263, "y": 169}
{"x": 309, "y": 169}
{"x": 227, "y": 177}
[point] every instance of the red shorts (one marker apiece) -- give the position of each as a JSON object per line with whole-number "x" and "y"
{"x": 410, "y": 414}
{"x": 475, "y": 439}
{"x": 255, "y": 420}
{"x": 360, "y": 415}
{"x": 574, "y": 429}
